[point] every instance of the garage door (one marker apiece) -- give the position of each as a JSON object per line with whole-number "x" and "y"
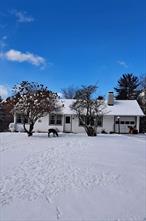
{"x": 122, "y": 124}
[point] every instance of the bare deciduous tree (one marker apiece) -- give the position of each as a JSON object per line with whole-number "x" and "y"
{"x": 88, "y": 109}
{"x": 35, "y": 105}
{"x": 69, "y": 92}
{"x": 142, "y": 93}
{"x": 142, "y": 80}
{"x": 33, "y": 101}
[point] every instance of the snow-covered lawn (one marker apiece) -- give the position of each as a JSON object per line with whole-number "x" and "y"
{"x": 72, "y": 177}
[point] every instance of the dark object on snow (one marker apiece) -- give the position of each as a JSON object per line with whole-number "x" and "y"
{"x": 135, "y": 131}
{"x": 132, "y": 130}
{"x": 103, "y": 132}
{"x": 111, "y": 132}
{"x": 53, "y": 131}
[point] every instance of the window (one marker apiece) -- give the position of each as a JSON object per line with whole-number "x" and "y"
{"x": 90, "y": 120}
{"x": 25, "y": 120}
{"x": 100, "y": 121}
{"x": 122, "y": 122}
{"x": 127, "y": 122}
{"x": 20, "y": 119}
{"x": 55, "y": 119}
{"x": 132, "y": 122}
{"x": 58, "y": 119}
{"x": 52, "y": 119}
{"x": 67, "y": 120}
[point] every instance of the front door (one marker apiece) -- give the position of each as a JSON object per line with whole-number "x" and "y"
{"x": 67, "y": 123}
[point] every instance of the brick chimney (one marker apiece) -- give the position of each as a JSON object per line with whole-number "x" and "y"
{"x": 110, "y": 100}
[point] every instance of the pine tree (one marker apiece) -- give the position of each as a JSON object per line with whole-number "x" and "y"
{"x": 127, "y": 88}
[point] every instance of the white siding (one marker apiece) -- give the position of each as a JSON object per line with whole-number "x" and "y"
{"x": 20, "y": 128}
{"x": 42, "y": 125}
{"x": 75, "y": 125}
{"x": 108, "y": 123}
{"x": 137, "y": 123}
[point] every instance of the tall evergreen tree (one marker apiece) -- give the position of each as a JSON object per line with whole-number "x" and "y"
{"x": 127, "y": 88}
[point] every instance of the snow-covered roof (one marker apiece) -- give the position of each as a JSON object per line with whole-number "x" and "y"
{"x": 120, "y": 107}
{"x": 124, "y": 108}
{"x": 67, "y": 104}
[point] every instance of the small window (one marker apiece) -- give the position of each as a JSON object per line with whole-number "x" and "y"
{"x": 19, "y": 118}
{"x": 67, "y": 120}
{"x": 52, "y": 119}
{"x": 132, "y": 122}
{"x": 127, "y": 122}
{"x": 100, "y": 121}
{"x": 58, "y": 119}
{"x": 90, "y": 121}
{"x": 122, "y": 122}
{"x": 25, "y": 120}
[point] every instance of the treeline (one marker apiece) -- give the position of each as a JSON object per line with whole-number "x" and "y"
{"x": 128, "y": 87}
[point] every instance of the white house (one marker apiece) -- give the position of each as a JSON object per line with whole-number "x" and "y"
{"x": 119, "y": 114}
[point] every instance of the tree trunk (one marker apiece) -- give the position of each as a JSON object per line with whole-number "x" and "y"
{"x": 90, "y": 131}
{"x": 29, "y": 132}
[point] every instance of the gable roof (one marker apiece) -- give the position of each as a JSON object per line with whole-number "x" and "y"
{"x": 124, "y": 108}
{"x": 120, "y": 107}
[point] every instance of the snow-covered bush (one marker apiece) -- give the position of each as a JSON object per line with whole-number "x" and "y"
{"x": 12, "y": 127}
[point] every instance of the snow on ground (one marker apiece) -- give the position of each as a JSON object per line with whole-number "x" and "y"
{"x": 72, "y": 177}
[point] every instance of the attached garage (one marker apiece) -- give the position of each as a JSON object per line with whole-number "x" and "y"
{"x": 122, "y": 123}
{"x": 126, "y": 114}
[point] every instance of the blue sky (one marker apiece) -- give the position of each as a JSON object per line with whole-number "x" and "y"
{"x": 71, "y": 42}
